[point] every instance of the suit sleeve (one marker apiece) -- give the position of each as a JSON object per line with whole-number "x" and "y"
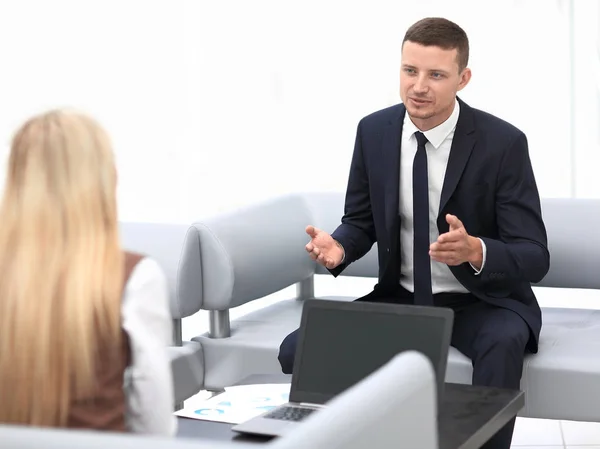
{"x": 520, "y": 252}
{"x": 357, "y": 231}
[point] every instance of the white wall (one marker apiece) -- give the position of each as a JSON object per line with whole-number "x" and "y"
{"x": 289, "y": 82}
{"x": 585, "y": 51}
{"x": 122, "y": 61}
{"x": 212, "y": 104}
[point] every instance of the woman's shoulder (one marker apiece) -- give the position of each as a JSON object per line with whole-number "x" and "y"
{"x": 146, "y": 289}
{"x": 137, "y": 265}
{"x": 143, "y": 274}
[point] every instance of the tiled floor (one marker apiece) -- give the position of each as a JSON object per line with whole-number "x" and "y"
{"x": 529, "y": 433}
{"x": 546, "y": 434}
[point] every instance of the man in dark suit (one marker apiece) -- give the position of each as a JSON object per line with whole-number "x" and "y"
{"x": 448, "y": 193}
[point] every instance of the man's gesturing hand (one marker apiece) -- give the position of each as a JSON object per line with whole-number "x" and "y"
{"x": 456, "y": 247}
{"x": 323, "y": 248}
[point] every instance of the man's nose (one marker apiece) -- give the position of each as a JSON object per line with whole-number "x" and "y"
{"x": 421, "y": 86}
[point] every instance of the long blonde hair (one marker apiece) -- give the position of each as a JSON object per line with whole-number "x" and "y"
{"x": 61, "y": 266}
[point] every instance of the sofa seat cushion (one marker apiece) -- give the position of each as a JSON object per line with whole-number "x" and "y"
{"x": 563, "y": 377}
{"x": 187, "y": 363}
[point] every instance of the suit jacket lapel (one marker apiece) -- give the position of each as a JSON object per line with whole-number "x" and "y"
{"x": 391, "y": 168}
{"x": 462, "y": 145}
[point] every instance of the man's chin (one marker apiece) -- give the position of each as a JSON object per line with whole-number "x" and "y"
{"x": 419, "y": 113}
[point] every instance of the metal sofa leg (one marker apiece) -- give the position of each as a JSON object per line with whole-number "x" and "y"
{"x": 177, "y": 341}
{"x": 219, "y": 324}
{"x": 306, "y": 289}
{"x": 177, "y": 332}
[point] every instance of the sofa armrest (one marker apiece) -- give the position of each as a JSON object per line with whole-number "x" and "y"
{"x": 247, "y": 254}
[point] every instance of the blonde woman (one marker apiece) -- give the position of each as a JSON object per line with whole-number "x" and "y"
{"x": 84, "y": 326}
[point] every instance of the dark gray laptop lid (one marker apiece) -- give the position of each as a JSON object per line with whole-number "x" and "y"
{"x": 340, "y": 343}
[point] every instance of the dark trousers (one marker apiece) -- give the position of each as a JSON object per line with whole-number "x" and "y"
{"x": 495, "y": 339}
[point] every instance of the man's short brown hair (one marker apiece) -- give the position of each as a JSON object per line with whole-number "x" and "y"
{"x": 439, "y": 32}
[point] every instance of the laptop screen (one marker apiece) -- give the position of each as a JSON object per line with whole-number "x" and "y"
{"x": 342, "y": 346}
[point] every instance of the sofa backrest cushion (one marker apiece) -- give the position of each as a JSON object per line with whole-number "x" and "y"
{"x": 573, "y": 244}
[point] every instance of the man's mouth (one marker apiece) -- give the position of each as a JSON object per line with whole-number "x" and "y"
{"x": 419, "y": 101}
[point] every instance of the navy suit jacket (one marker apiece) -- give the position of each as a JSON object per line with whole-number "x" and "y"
{"x": 489, "y": 185}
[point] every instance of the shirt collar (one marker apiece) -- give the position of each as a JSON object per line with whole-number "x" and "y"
{"x": 437, "y": 135}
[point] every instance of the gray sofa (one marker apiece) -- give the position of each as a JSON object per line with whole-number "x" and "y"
{"x": 245, "y": 255}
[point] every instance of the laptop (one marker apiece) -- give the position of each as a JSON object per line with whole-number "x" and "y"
{"x": 340, "y": 343}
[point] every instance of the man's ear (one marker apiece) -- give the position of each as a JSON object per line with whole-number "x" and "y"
{"x": 465, "y": 77}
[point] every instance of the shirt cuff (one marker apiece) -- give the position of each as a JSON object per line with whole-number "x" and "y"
{"x": 484, "y": 251}
{"x": 343, "y": 250}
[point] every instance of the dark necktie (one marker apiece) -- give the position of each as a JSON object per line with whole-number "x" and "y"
{"x": 421, "y": 259}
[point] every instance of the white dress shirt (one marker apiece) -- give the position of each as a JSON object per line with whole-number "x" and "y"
{"x": 148, "y": 323}
{"x": 438, "y": 151}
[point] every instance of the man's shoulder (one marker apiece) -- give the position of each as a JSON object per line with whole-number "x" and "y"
{"x": 489, "y": 123}
{"x": 384, "y": 116}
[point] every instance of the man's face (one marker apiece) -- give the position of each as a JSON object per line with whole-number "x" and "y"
{"x": 429, "y": 81}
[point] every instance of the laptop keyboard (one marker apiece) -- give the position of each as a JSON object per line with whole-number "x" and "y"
{"x": 290, "y": 413}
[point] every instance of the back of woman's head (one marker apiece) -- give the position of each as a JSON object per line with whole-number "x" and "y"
{"x": 60, "y": 266}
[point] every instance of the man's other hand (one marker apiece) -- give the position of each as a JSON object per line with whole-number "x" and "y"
{"x": 456, "y": 247}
